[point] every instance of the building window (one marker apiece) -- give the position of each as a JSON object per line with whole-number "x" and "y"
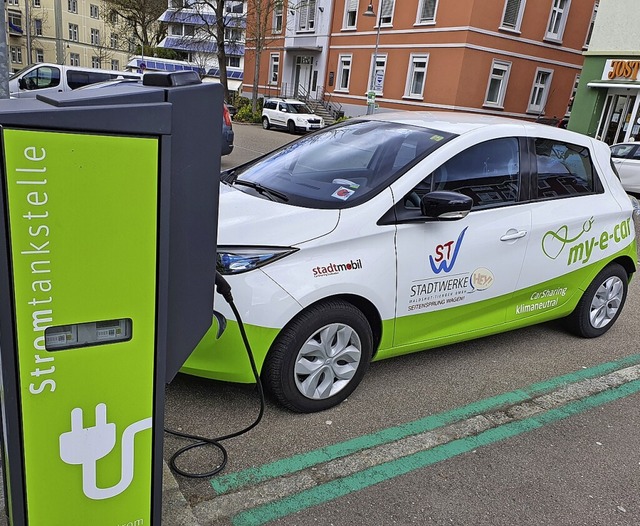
{"x": 36, "y": 3}
{"x": 557, "y": 20}
{"x": 234, "y": 6}
{"x": 278, "y": 10}
{"x": 115, "y": 64}
{"x": 114, "y": 40}
{"x": 512, "y": 16}
{"x": 95, "y": 37}
{"x": 593, "y": 21}
{"x": 350, "y": 14}
{"x": 344, "y": 72}
{"x": 73, "y": 32}
{"x": 13, "y": 2}
{"x": 274, "y": 68}
{"x": 39, "y": 55}
{"x": 376, "y": 73}
{"x": 386, "y": 16}
{"x": 113, "y": 17}
{"x": 540, "y": 91}
{"x": 96, "y": 62}
{"x": 233, "y": 62}
{"x": 94, "y": 11}
{"x": 37, "y": 27}
{"x": 16, "y": 54}
{"x": 73, "y": 6}
{"x": 498, "y": 80}
{"x": 232, "y": 34}
{"x": 573, "y": 96}
{"x": 427, "y": 11}
{"x": 74, "y": 59}
{"x": 307, "y": 16}
{"x": 15, "y": 23}
{"x": 416, "y": 76}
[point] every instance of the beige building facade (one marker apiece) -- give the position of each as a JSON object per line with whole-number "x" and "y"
{"x": 72, "y": 32}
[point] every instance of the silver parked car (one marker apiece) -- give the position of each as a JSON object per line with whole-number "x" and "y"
{"x": 626, "y": 158}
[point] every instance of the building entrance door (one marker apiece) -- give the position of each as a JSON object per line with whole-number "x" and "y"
{"x": 302, "y": 80}
{"x": 619, "y": 118}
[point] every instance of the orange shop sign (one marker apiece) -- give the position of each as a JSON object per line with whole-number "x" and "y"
{"x": 621, "y": 69}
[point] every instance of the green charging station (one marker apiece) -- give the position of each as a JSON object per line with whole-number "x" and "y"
{"x": 107, "y": 269}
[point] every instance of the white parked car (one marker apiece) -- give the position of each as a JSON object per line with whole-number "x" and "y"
{"x": 290, "y": 114}
{"x": 394, "y": 233}
{"x": 626, "y": 158}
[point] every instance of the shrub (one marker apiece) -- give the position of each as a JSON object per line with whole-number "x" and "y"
{"x": 246, "y": 115}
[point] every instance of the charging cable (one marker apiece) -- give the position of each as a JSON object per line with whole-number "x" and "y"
{"x": 224, "y": 289}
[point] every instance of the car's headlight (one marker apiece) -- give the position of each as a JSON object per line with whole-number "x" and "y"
{"x": 234, "y": 260}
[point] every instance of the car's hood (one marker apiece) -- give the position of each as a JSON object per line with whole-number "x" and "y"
{"x": 244, "y": 219}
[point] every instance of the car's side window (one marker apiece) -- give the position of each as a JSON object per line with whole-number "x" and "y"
{"x": 488, "y": 172}
{"x": 622, "y": 150}
{"x": 564, "y": 169}
{"x": 635, "y": 155}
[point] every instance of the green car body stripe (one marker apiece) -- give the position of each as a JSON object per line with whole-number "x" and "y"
{"x": 377, "y": 474}
{"x": 83, "y": 220}
{"x": 507, "y": 312}
{"x": 225, "y": 483}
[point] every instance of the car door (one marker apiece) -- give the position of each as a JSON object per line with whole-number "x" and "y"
{"x": 626, "y": 159}
{"x": 574, "y": 225}
{"x": 456, "y": 277}
{"x": 280, "y": 115}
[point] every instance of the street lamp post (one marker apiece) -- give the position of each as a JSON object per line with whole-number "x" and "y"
{"x": 371, "y": 95}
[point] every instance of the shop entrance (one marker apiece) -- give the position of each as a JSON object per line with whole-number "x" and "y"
{"x": 619, "y": 120}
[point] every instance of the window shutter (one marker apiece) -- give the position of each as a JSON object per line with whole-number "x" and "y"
{"x": 511, "y": 13}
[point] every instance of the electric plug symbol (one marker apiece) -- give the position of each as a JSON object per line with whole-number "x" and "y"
{"x": 86, "y": 445}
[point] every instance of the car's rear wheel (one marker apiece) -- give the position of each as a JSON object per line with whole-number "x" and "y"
{"x": 291, "y": 127}
{"x": 319, "y": 358}
{"x": 265, "y": 123}
{"x": 601, "y": 303}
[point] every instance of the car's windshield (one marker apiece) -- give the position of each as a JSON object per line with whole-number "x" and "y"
{"x": 343, "y": 165}
{"x": 298, "y": 108}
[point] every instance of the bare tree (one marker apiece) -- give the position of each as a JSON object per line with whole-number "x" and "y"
{"x": 208, "y": 22}
{"x": 260, "y": 28}
{"x": 136, "y": 21}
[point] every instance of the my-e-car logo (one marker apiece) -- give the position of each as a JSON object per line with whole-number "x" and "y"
{"x": 553, "y": 242}
{"x": 446, "y": 255}
{"x": 335, "y": 268}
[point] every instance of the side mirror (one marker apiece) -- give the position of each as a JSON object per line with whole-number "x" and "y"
{"x": 445, "y": 206}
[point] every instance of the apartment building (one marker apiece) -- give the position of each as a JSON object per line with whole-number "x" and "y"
{"x": 191, "y": 26}
{"x": 516, "y": 58}
{"x": 72, "y": 32}
{"x": 607, "y": 104}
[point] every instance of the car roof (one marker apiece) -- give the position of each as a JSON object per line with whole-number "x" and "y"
{"x": 459, "y": 123}
{"x": 289, "y": 101}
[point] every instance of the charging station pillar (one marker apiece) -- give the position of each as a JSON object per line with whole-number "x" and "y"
{"x": 107, "y": 263}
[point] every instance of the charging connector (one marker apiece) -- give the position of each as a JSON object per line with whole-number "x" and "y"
{"x": 224, "y": 289}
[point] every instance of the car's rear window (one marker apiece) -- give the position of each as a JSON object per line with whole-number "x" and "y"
{"x": 342, "y": 165}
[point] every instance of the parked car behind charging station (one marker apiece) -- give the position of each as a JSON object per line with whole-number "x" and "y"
{"x": 394, "y": 233}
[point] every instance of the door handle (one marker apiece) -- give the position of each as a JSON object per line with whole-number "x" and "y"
{"x": 513, "y": 234}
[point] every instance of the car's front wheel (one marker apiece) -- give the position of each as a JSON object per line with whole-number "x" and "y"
{"x": 319, "y": 358}
{"x": 265, "y": 123}
{"x": 601, "y": 303}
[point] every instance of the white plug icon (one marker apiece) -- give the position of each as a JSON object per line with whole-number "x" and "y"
{"x": 85, "y": 446}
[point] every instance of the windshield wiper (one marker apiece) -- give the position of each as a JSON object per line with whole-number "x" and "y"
{"x": 263, "y": 190}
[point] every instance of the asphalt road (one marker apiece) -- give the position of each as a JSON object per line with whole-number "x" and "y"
{"x": 528, "y": 427}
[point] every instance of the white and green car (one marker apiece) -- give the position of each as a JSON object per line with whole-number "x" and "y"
{"x": 400, "y": 232}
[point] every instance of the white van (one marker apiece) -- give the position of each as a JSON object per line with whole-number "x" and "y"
{"x": 50, "y": 78}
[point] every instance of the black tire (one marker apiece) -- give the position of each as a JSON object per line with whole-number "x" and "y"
{"x": 265, "y": 123}
{"x": 291, "y": 127}
{"x": 302, "y": 377}
{"x": 601, "y": 303}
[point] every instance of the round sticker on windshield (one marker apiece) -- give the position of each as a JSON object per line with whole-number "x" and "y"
{"x": 343, "y": 193}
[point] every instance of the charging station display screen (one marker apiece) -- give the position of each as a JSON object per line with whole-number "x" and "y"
{"x": 85, "y": 376}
